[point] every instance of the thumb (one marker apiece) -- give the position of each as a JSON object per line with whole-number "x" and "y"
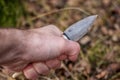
{"x": 71, "y": 49}
{"x": 50, "y": 29}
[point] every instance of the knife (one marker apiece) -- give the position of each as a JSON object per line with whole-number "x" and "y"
{"x": 75, "y": 32}
{"x": 79, "y": 29}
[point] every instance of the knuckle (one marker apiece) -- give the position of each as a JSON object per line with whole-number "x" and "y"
{"x": 55, "y": 28}
{"x": 41, "y": 68}
{"x": 53, "y": 64}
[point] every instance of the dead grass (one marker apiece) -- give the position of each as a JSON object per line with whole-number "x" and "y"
{"x": 99, "y": 58}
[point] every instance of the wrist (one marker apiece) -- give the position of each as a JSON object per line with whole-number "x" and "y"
{"x": 10, "y": 37}
{"x": 10, "y": 42}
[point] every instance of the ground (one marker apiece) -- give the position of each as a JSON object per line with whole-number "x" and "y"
{"x": 99, "y": 58}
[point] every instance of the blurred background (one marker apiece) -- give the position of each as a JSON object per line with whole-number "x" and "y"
{"x": 99, "y": 58}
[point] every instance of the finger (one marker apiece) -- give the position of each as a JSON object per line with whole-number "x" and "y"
{"x": 62, "y": 57}
{"x": 73, "y": 57}
{"x": 71, "y": 49}
{"x": 30, "y": 72}
{"x": 16, "y": 66}
{"x": 8, "y": 71}
{"x": 41, "y": 68}
{"x": 53, "y": 64}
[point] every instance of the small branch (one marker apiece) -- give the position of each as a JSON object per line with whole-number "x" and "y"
{"x": 63, "y": 65}
{"x": 59, "y": 10}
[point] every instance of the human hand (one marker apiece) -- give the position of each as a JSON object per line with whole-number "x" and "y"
{"x": 40, "y": 50}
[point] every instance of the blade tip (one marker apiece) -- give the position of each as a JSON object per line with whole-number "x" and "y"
{"x": 95, "y": 16}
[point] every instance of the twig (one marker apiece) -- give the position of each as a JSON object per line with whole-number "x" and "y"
{"x": 59, "y": 10}
{"x": 63, "y": 65}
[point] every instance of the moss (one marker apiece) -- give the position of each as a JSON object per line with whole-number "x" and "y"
{"x": 10, "y": 12}
{"x": 96, "y": 54}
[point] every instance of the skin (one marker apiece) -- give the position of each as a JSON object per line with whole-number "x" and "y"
{"x": 35, "y": 51}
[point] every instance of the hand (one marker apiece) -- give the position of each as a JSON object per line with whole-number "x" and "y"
{"x": 40, "y": 50}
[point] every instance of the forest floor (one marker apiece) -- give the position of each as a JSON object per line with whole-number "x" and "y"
{"x": 99, "y": 58}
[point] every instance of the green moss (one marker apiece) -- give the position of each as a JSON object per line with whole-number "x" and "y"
{"x": 10, "y": 12}
{"x": 96, "y": 54}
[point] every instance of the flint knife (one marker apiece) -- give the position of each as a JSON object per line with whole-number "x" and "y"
{"x": 74, "y": 32}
